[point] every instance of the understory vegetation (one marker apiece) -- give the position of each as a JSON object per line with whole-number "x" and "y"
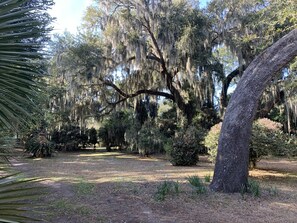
{"x": 144, "y": 79}
{"x": 267, "y": 139}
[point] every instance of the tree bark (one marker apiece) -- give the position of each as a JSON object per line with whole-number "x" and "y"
{"x": 225, "y": 85}
{"x": 231, "y": 169}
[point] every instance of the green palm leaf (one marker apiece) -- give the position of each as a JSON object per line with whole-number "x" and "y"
{"x": 23, "y": 26}
{"x": 20, "y": 32}
{"x": 13, "y": 195}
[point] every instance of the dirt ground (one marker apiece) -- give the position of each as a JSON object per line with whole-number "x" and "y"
{"x": 91, "y": 187}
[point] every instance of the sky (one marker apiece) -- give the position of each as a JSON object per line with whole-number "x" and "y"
{"x": 69, "y": 14}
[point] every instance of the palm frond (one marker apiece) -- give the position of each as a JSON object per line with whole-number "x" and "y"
{"x": 23, "y": 27}
{"x": 13, "y": 197}
{"x": 21, "y": 31}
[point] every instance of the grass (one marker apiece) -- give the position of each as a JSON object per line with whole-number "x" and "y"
{"x": 166, "y": 188}
{"x": 207, "y": 178}
{"x": 84, "y": 188}
{"x": 197, "y": 184}
{"x": 272, "y": 190}
{"x": 252, "y": 187}
{"x": 67, "y": 207}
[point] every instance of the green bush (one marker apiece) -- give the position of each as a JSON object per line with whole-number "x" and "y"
{"x": 68, "y": 138}
{"x": 168, "y": 122}
{"x": 211, "y": 141}
{"x": 112, "y": 133}
{"x": 252, "y": 187}
{"x": 103, "y": 136}
{"x": 132, "y": 136}
{"x": 38, "y": 145}
{"x": 185, "y": 147}
{"x": 267, "y": 139}
{"x": 150, "y": 140}
{"x": 93, "y": 137}
{"x": 84, "y": 139}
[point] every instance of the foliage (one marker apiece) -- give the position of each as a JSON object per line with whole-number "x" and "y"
{"x": 211, "y": 141}
{"x": 248, "y": 27}
{"x": 185, "y": 147}
{"x": 207, "y": 178}
{"x": 197, "y": 184}
{"x": 23, "y": 30}
{"x": 267, "y": 139}
{"x": 70, "y": 138}
{"x": 112, "y": 133}
{"x": 168, "y": 122}
{"x": 166, "y": 188}
{"x": 38, "y": 145}
{"x": 152, "y": 53}
{"x": 93, "y": 137}
{"x": 84, "y": 138}
{"x": 132, "y": 136}
{"x": 253, "y": 187}
{"x": 14, "y": 195}
{"x": 150, "y": 140}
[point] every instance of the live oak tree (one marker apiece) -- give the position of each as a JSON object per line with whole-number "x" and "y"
{"x": 231, "y": 169}
{"x": 248, "y": 27}
{"x": 72, "y": 92}
{"x": 158, "y": 48}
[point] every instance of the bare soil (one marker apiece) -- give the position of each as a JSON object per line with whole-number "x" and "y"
{"x": 114, "y": 187}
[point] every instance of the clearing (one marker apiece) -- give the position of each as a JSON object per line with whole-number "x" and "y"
{"x": 115, "y": 187}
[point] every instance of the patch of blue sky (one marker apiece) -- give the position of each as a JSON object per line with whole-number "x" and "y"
{"x": 69, "y": 14}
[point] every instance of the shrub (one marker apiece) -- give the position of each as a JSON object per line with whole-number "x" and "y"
{"x": 93, "y": 137}
{"x": 150, "y": 139}
{"x": 132, "y": 136}
{"x": 185, "y": 147}
{"x": 38, "y": 145}
{"x": 68, "y": 137}
{"x": 197, "y": 184}
{"x": 103, "y": 135}
{"x": 207, "y": 178}
{"x": 168, "y": 122}
{"x": 267, "y": 139}
{"x": 253, "y": 187}
{"x": 84, "y": 139}
{"x": 211, "y": 141}
{"x": 166, "y": 188}
{"x": 112, "y": 133}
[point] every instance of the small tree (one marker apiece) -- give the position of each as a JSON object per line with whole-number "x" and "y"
{"x": 112, "y": 133}
{"x": 93, "y": 137}
{"x": 150, "y": 139}
{"x": 84, "y": 139}
{"x": 185, "y": 147}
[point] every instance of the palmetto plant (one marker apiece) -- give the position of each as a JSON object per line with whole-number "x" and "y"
{"x": 23, "y": 28}
{"x": 20, "y": 31}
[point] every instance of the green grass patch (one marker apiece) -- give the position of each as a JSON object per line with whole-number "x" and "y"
{"x": 166, "y": 188}
{"x": 84, "y": 188}
{"x": 197, "y": 184}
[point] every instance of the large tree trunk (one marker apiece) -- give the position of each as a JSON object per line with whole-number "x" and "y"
{"x": 231, "y": 169}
